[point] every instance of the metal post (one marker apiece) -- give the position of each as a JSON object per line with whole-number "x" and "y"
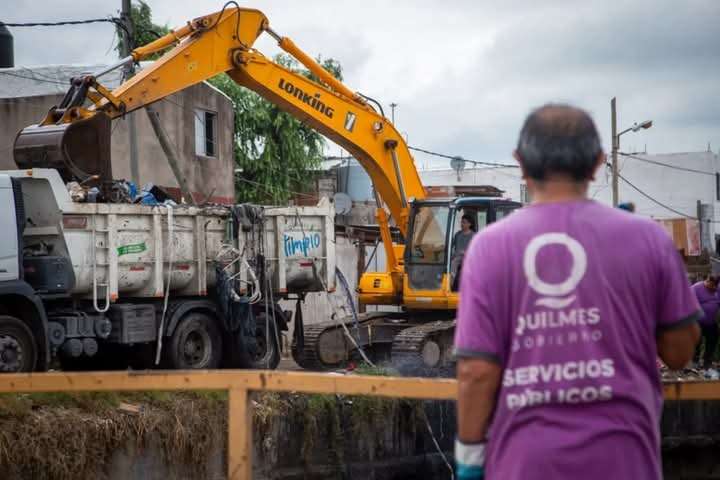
{"x": 615, "y": 146}
{"x": 128, "y": 71}
{"x": 392, "y": 109}
{"x": 700, "y": 224}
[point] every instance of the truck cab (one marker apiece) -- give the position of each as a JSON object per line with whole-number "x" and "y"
{"x": 22, "y": 315}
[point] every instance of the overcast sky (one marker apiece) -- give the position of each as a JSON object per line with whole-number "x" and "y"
{"x": 465, "y": 73}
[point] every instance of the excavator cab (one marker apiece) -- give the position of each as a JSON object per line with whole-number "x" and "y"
{"x": 433, "y": 253}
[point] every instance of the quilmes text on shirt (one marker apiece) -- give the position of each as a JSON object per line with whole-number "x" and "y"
{"x": 557, "y": 319}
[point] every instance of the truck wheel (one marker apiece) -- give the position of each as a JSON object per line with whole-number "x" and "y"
{"x": 195, "y": 344}
{"x": 18, "y": 350}
{"x": 267, "y": 355}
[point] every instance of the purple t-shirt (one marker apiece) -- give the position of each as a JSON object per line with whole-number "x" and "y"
{"x": 567, "y": 297}
{"x": 709, "y": 302}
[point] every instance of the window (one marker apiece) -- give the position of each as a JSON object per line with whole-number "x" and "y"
{"x": 479, "y": 219}
{"x": 428, "y": 236}
{"x": 717, "y": 186}
{"x": 205, "y": 133}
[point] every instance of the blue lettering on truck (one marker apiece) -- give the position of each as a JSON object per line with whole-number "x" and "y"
{"x": 301, "y": 246}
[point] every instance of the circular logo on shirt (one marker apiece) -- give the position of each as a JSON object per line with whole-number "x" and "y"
{"x": 553, "y": 291}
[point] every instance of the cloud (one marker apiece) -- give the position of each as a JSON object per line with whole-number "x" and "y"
{"x": 465, "y": 73}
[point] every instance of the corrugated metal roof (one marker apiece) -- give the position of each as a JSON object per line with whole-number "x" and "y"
{"x": 22, "y": 82}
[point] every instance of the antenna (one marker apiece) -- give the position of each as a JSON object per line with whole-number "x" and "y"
{"x": 458, "y": 164}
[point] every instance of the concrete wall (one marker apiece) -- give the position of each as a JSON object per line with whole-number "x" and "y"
{"x": 208, "y": 177}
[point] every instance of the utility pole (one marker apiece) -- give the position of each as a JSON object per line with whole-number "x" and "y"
{"x": 392, "y": 114}
{"x": 615, "y": 146}
{"x": 170, "y": 154}
{"x": 128, "y": 71}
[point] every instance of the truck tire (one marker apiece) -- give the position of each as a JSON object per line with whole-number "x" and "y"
{"x": 195, "y": 344}
{"x": 268, "y": 350}
{"x": 18, "y": 349}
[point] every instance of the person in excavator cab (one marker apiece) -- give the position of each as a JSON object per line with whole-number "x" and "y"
{"x": 461, "y": 241}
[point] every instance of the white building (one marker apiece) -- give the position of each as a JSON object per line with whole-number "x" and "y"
{"x": 669, "y": 186}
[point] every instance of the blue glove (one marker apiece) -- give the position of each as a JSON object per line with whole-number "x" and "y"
{"x": 469, "y": 460}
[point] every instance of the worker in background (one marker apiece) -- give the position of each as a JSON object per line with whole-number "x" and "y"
{"x": 461, "y": 240}
{"x": 707, "y": 295}
{"x": 563, "y": 308}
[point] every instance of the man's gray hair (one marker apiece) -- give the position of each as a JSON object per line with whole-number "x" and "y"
{"x": 559, "y": 139}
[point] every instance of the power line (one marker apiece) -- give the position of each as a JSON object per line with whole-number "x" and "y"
{"x": 654, "y": 200}
{"x": 37, "y": 73}
{"x": 667, "y": 165}
{"x": 57, "y": 24}
{"x": 114, "y": 20}
{"x": 191, "y": 110}
{"x": 36, "y": 79}
{"x": 18, "y": 100}
{"x": 457, "y": 157}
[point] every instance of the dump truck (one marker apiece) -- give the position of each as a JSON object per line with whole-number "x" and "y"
{"x": 112, "y": 285}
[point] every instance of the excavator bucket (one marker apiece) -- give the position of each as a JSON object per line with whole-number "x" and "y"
{"x": 78, "y": 150}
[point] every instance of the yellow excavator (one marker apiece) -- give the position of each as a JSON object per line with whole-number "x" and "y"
{"x": 74, "y": 137}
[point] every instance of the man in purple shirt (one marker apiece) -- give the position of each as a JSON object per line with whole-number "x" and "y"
{"x": 564, "y": 306}
{"x": 707, "y": 295}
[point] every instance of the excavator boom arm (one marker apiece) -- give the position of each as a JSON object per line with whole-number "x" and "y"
{"x": 222, "y": 42}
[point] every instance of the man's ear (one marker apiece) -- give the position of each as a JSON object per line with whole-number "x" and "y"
{"x": 517, "y": 157}
{"x": 601, "y": 160}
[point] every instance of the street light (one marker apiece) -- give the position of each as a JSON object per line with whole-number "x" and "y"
{"x": 641, "y": 126}
{"x": 392, "y": 114}
{"x": 616, "y": 145}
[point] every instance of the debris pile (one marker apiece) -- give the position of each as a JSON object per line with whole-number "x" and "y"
{"x": 119, "y": 191}
{"x": 692, "y": 373}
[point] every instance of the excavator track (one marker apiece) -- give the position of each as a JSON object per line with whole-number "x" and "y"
{"x": 421, "y": 347}
{"x": 309, "y": 357}
{"x": 325, "y": 345}
{"x": 425, "y": 350}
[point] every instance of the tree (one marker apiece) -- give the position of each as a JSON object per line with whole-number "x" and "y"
{"x": 275, "y": 151}
{"x": 144, "y": 30}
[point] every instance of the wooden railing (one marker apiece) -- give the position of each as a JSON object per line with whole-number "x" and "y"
{"x": 239, "y": 383}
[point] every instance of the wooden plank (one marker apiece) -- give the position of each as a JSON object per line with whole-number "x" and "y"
{"x": 301, "y": 382}
{"x": 424, "y": 388}
{"x": 692, "y": 390}
{"x": 239, "y": 435}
